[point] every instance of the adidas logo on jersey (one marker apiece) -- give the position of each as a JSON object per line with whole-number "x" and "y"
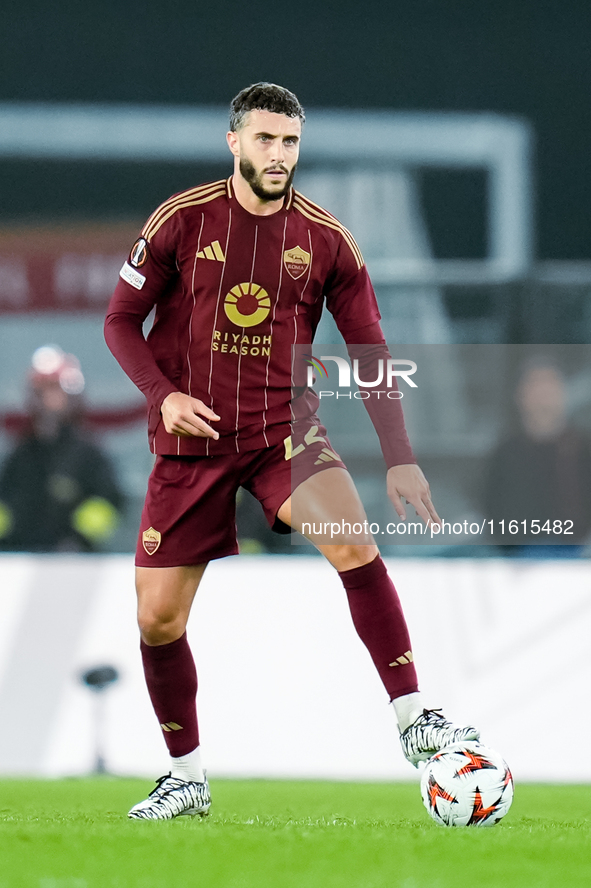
{"x": 214, "y": 251}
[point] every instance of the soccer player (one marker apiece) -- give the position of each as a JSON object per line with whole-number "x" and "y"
{"x": 238, "y": 271}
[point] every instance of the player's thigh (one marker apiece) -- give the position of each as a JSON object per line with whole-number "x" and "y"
{"x": 165, "y": 596}
{"x": 276, "y": 472}
{"x": 327, "y": 496}
{"x": 304, "y": 484}
{"x": 327, "y": 510}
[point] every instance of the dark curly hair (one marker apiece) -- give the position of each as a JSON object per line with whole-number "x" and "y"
{"x": 264, "y": 97}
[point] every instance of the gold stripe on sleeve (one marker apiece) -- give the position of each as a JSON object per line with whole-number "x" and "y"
{"x": 199, "y": 191}
{"x": 171, "y": 209}
{"x": 326, "y": 218}
{"x": 317, "y": 214}
{"x": 176, "y": 197}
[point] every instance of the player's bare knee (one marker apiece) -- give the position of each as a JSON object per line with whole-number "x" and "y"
{"x": 160, "y": 627}
{"x": 347, "y": 557}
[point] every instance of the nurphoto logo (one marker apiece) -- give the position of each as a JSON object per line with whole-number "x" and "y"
{"x": 385, "y": 373}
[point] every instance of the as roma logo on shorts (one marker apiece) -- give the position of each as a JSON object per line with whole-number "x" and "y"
{"x": 139, "y": 253}
{"x": 151, "y": 540}
{"x": 296, "y": 262}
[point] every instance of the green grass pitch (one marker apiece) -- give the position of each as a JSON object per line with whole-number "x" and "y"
{"x": 279, "y": 834}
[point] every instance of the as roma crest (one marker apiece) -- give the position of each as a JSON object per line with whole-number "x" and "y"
{"x": 296, "y": 262}
{"x": 151, "y": 540}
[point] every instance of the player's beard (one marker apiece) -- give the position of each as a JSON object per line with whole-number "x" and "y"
{"x": 255, "y": 180}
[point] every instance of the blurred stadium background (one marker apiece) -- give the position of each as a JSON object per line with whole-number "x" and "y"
{"x": 454, "y": 142}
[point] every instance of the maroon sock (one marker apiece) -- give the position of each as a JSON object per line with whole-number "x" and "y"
{"x": 378, "y": 618}
{"x": 172, "y": 684}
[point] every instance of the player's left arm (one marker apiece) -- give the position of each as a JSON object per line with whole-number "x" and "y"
{"x": 409, "y": 483}
{"x": 405, "y": 479}
{"x": 352, "y": 302}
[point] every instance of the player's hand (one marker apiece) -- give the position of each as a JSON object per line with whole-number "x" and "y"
{"x": 409, "y": 482}
{"x": 182, "y": 414}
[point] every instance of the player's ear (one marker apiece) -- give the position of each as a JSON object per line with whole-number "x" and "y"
{"x": 233, "y": 143}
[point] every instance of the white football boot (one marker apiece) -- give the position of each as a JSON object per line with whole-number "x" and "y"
{"x": 430, "y": 733}
{"x": 172, "y": 797}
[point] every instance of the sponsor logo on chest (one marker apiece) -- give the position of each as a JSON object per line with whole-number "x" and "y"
{"x": 241, "y": 344}
{"x": 246, "y": 305}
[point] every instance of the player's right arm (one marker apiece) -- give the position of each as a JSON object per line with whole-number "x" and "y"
{"x": 182, "y": 416}
{"x": 145, "y": 278}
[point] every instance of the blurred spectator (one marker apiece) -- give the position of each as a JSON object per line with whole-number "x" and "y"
{"x": 541, "y": 473}
{"x": 58, "y": 491}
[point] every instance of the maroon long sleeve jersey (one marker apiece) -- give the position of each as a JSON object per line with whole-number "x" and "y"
{"x": 233, "y": 292}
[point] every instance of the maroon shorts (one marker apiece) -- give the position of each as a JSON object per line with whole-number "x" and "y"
{"x": 189, "y": 515}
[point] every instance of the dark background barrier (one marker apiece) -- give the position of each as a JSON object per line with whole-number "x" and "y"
{"x": 527, "y": 58}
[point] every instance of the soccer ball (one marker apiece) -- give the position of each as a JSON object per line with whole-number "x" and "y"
{"x": 467, "y": 784}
